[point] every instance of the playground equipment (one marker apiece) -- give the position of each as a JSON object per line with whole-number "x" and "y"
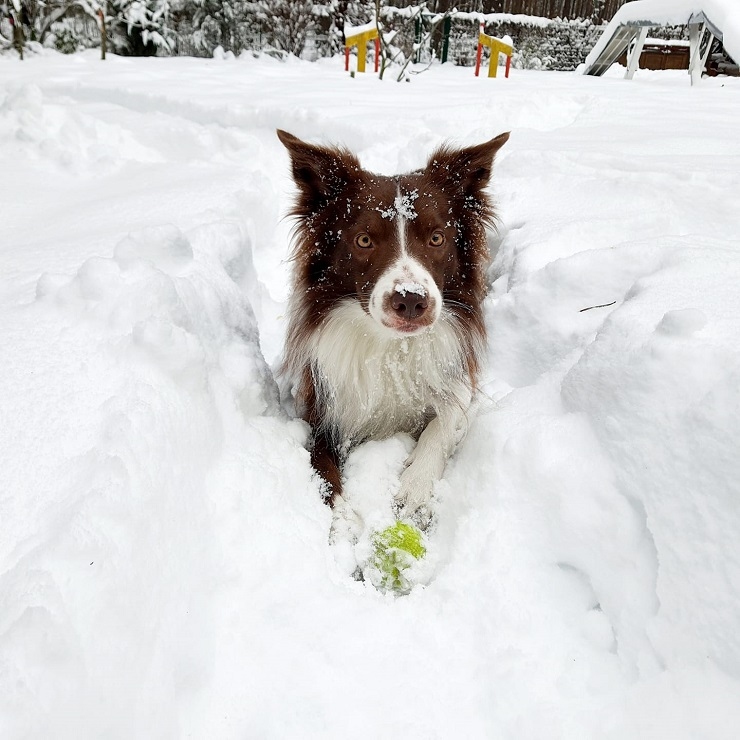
{"x": 360, "y": 37}
{"x": 628, "y": 30}
{"x": 497, "y": 46}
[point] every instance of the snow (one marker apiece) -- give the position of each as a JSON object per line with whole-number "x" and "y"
{"x": 411, "y": 287}
{"x": 351, "y": 31}
{"x": 515, "y": 18}
{"x": 164, "y": 561}
{"x": 403, "y": 206}
{"x": 724, "y": 14}
{"x": 667, "y": 42}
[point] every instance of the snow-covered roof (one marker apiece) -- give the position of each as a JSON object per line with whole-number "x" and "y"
{"x": 667, "y": 42}
{"x": 724, "y": 15}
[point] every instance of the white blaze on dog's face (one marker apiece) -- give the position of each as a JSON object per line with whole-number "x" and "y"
{"x": 406, "y": 298}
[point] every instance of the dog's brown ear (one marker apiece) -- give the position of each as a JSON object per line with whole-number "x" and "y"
{"x": 467, "y": 170}
{"x": 320, "y": 172}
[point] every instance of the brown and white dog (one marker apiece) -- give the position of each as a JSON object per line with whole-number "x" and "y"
{"x": 386, "y": 330}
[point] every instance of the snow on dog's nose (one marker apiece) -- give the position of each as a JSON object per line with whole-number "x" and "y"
{"x": 409, "y": 300}
{"x": 406, "y": 299}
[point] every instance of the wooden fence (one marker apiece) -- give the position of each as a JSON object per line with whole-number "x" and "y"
{"x": 598, "y": 10}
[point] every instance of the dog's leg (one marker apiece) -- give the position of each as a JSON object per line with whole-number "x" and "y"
{"x": 325, "y": 461}
{"x": 437, "y": 442}
{"x": 325, "y": 457}
{"x": 346, "y": 524}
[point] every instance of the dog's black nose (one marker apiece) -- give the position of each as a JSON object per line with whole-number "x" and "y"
{"x": 409, "y": 305}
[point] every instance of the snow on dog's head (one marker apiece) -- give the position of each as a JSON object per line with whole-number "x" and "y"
{"x": 407, "y": 248}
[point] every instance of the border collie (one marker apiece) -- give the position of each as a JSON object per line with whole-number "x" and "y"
{"x": 386, "y": 330}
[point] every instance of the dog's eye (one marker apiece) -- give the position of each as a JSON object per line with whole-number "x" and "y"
{"x": 437, "y": 239}
{"x": 364, "y": 241}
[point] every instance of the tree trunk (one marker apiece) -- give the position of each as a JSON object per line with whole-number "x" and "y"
{"x": 103, "y": 34}
{"x": 17, "y": 35}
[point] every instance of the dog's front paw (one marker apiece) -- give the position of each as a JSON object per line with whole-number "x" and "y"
{"x": 346, "y": 523}
{"x": 415, "y": 492}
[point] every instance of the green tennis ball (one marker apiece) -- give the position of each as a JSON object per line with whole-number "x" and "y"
{"x": 395, "y": 549}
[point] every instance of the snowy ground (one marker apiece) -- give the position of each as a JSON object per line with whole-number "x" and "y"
{"x": 164, "y": 566}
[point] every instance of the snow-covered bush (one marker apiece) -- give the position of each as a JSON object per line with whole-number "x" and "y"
{"x": 63, "y": 39}
{"x": 287, "y": 23}
{"x": 140, "y": 27}
{"x": 279, "y": 27}
{"x": 315, "y": 28}
{"x": 135, "y": 27}
{"x": 562, "y": 45}
{"x": 539, "y": 43}
{"x": 73, "y": 33}
{"x": 235, "y": 25}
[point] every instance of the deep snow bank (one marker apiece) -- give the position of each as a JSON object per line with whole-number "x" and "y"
{"x": 665, "y": 414}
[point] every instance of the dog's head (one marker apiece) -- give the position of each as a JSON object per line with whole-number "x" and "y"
{"x": 406, "y": 247}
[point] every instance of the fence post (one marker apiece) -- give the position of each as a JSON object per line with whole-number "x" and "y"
{"x": 103, "y": 33}
{"x": 418, "y": 29}
{"x": 446, "y": 37}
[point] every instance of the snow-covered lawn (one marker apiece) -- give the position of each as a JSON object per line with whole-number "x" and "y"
{"x": 164, "y": 564}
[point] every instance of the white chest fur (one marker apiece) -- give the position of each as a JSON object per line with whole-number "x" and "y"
{"x": 374, "y": 384}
